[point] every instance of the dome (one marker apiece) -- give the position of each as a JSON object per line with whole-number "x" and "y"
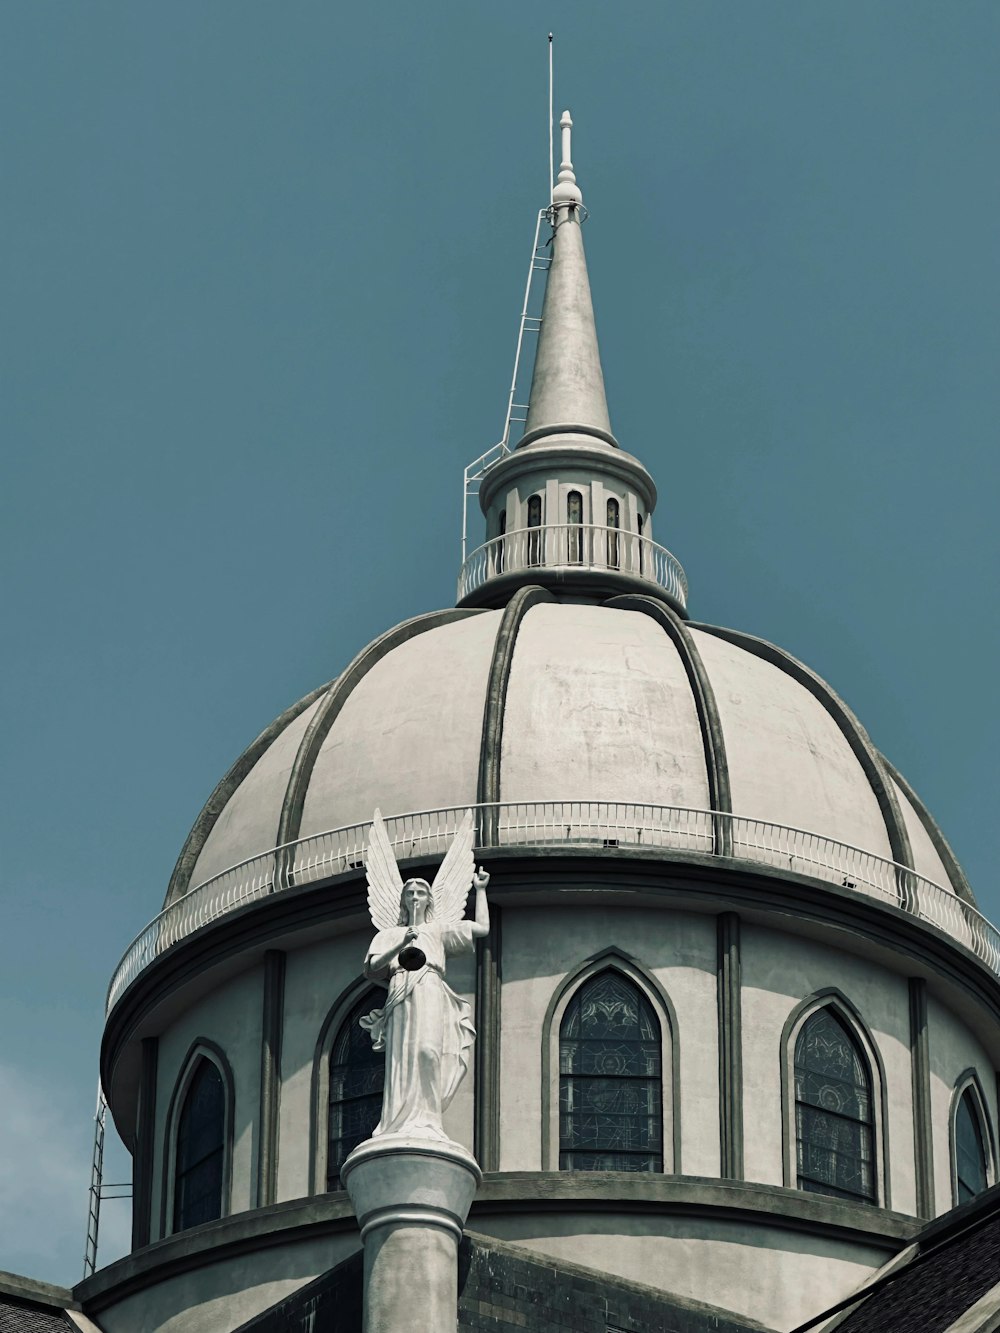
{"x": 621, "y": 703}
{"x": 690, "y": 841}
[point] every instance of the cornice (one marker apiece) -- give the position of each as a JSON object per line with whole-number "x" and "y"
{"x": 505, "y": 1192}
{"x": 556, "y": 457}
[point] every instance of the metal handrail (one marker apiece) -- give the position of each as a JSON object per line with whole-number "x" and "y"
{"x": 574, "y": 546}
{"x": 601, "y": 824}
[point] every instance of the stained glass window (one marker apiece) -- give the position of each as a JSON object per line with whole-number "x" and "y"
{"x": 200, "y": 1151}
{"x": 610, "y": 1092}
{"x": 614, "y": 522}
{"x": 970, "y": 1153}
{"x": 574, "y": 516}
{"x": 357, "y": 1075}
{"x": 834, "y": 1124}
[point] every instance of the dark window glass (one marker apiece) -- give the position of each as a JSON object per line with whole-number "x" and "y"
{"x": 614, "y": 522}
{"x": 574, "y": 517}
{"x": 357, "y": 1075}
{"x": 501, "y": 530}
{"x": 534, "y": 538}
{"x": 610, "y": 1094}
{"x": 970, "y": 1154}
{"x": 639, "y": 521}
{"x": 200, "y": 1152}
{"x": 834, "y": 1124}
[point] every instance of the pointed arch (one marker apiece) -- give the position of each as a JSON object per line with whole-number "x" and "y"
{"x": 849, "y": 1019}
{"x": 359, "y": 997}
{"x": 969, "y": 1130}
{"x": 612, "y": 959}
{"x": 202, "y": 1052}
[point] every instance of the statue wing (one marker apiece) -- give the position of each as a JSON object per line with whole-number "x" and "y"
{"x": 385, "y": 883}
{"x": 454, "y": 877}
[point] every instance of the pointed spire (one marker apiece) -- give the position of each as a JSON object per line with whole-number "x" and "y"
{"x": 567, "y": 386}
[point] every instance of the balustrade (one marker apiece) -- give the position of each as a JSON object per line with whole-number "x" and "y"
{"x": 598, "y": 824}
{"x": 570, "y": 546}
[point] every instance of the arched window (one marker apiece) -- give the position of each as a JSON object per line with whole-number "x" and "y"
{"x": 614, "y": 523}
{"x": 640, "y": 524}
{"x": 574, "y": 535}
{"x": 834, "y": 1115}
{"x": 610, "y": 1091}
{"x": 971, "y": 1168}
{"x": 534, "y": 538}
{"x": 357, "y": 1076}
{"x": 501, "y": 533}
{"x": 200, "y": 1148}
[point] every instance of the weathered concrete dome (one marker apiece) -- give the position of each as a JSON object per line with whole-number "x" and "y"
{"x": 622, "y": 702}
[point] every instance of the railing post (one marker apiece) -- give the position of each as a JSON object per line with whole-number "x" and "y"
{"x": 283, "y": 878}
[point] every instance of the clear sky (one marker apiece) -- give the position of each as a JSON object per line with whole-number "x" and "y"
{"x": 259, "y": 284}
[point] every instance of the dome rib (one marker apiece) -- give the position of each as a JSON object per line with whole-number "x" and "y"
{"x": 486, "y": 1128}
{"x": 941, "y": 844}
{"x": 488, "y": 787}
{"x": 854, "y": 733}
{"x": 290, "y": 820}
{"x": 713, "y": 739}
{"x": 180, "y": 879}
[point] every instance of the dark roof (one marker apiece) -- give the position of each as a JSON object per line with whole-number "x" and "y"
{"x": 27, "y": 1317}
{"x": 510, "y": 1289}
{"x": 953, "y": 1262}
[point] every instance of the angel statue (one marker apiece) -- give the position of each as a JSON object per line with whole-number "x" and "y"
{"x": 425, "y": 1029}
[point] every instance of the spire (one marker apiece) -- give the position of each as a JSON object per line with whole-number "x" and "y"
{"x": 567, "y": 386}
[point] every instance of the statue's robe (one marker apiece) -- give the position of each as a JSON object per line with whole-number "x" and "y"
{"x": 426, "y": 1029}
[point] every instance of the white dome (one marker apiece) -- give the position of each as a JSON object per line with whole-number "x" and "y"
{"x": 601, "y": 703}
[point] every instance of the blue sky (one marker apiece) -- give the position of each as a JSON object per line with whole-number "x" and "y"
{"x": 260, "y": 280}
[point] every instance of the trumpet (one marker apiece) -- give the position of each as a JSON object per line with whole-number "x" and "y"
{"x": 412, "y": 957}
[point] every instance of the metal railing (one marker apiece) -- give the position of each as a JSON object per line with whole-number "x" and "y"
{"x": 572, "y": 546}
{"x": 598, "y": 824}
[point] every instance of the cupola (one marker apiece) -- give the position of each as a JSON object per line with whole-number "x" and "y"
{"x": 568, "y": 508}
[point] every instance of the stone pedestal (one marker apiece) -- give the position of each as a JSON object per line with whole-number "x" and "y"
{"x": 411, "y": 1197}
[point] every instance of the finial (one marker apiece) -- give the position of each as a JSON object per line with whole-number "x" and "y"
{"x": 566, "y": 192}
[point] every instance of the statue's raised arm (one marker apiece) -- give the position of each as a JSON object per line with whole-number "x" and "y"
{"x": 425, "y": 1028}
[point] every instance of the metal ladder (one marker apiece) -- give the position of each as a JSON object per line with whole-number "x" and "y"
{"x": 98, "y": 1189}
{"x": 540, "y": 262}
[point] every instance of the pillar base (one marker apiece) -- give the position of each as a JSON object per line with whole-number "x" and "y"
{"x": 411, "y": 1198}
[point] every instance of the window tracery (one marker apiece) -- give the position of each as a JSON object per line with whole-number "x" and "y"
{"x": 834, "y": 1113}
{"x": 610, "y": 1088}
{"x": 357, "y": 1076}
